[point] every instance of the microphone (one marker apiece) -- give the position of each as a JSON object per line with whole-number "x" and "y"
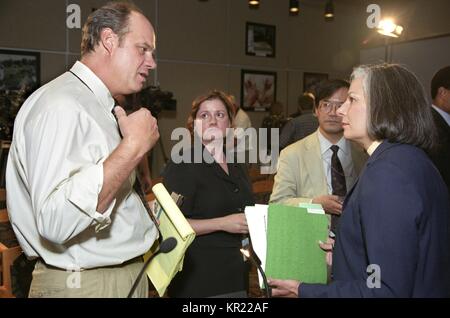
{"x": 249, "y": 253}
{"x": 165, "y": 247}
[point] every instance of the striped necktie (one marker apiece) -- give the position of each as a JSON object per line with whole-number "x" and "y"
{"x": 337, "y": 183}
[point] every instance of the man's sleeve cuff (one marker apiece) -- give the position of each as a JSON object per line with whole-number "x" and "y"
{"x": 86, "y": 186}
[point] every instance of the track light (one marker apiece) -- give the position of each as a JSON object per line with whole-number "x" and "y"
{"x": 253, "y": 4}
{"x": 329, "y": 11}
{"x": 293, "y": 7}
{"x": 389, "y": 28}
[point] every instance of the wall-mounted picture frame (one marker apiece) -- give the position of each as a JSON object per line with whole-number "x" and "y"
{"x": 19, "y": 77}
{"x": 310, "y": 80}
{"x": 260, "y": 39}
{"x": 19, "y": 69}
{"x": 258, "y": 90}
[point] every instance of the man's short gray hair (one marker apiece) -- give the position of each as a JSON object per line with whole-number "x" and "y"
{"x": 114, "y": 15}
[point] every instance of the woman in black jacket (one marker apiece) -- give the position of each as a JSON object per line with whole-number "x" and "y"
{"x": 215, "y": 194}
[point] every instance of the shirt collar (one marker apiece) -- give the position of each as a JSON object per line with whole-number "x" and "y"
{"x": 325, "y": 144}
{"x": 373, "y": 147}
{"x": 444, "y": 115}
{"x": 95, "y": 84}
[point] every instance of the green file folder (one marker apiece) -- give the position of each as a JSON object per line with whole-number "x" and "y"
{"x": 293, "y": 250}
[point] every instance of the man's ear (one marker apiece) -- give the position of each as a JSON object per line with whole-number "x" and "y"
{"x": 442, "y": 92}
{"x": 315, "y": 112}
{"x": 108, "y": 40}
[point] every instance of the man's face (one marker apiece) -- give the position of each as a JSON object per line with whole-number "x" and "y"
{"x": 133, "y": 59}
{"x": 329, "y": 121}
{"x": 444, "y": 97}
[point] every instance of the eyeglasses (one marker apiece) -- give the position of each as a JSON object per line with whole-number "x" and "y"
{"x": 327, "y": 105}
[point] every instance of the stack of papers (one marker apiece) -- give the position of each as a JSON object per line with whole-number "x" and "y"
{"x": 286, "y": 238}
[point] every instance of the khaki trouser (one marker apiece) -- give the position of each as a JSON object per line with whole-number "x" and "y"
{"x": 105, "y": 282}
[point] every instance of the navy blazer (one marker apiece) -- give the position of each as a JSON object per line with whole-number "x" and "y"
{"x": 395, "y": 218}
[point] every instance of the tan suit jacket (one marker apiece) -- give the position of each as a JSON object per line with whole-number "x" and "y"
{"x": 300, "y": 176}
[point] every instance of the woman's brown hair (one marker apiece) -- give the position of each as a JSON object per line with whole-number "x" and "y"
{"x": 226, "y": 99}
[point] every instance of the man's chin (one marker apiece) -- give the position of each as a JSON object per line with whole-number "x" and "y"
{"x": 334, "y": 129}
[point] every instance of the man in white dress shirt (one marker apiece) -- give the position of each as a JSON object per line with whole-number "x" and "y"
{"x": 70, "y": 175}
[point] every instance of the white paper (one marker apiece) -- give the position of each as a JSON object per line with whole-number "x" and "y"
{"x": 257, "y": 226}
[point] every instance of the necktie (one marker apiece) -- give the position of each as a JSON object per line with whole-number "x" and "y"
{"x": 337, "y": 183}
{"x": 138, "y": 188}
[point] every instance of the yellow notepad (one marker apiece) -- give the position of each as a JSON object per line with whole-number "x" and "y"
{"x": 164, "y": 267}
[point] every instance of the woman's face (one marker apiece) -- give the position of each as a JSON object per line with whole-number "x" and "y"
{"x": 354, "y": 114}
{"x": 212, "y": 120}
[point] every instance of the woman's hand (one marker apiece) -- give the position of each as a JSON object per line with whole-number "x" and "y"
{"x": 284, "y": 287}
{"x": 234, "y": 223}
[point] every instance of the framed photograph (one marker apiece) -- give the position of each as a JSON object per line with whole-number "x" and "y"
{"x": 310, "y": 80}
{"x": 260, "y": 39}
{"x": 19, "y": 70}
{"x": 19, "y": 77}
{"x": 258, "y": 90}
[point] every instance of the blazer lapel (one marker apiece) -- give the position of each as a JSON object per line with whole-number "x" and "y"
{"x": 314, "y": 164}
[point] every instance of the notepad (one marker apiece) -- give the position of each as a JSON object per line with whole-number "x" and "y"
{"x": 164, "y": 267}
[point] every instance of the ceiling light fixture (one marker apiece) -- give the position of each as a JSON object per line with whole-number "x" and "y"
{"x": 253, "y": 4}
{"x": 389, "y": 28}
{"x": 293, "y": 7}
{"x": 329, "y": 11}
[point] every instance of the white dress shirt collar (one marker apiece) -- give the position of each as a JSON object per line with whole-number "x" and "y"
{"x": 444, "y": 115}
{"x": 373, "y": 147}
{"x": 325, "y": 144}
{"x": 95, "y": 84}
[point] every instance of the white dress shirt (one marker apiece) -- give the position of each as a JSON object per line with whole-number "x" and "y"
{"x": 62, "y": 135}
{"x": 344, "y": 155}
{"x": 444, "y": 115}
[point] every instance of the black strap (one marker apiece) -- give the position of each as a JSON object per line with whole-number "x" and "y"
{"x": 81, "y": 80}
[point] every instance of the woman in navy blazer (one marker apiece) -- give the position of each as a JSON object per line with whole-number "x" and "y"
{"x": 393, "y": 239}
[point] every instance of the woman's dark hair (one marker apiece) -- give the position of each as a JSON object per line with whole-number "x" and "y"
{"x": 398, "y": 110}
{"x": 114, "y": 15}
{"x": 226, "y": 99}
{"x": 327, "y": 88}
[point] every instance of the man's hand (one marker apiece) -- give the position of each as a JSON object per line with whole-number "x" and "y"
{"x": 330, "y": 203}
{"x": 139, "y": 129}
{"x": 284, "y": 287}
{"x": 328, "y": 248}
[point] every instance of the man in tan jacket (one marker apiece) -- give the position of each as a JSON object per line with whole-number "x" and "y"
{"x": 305, "y": 169}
